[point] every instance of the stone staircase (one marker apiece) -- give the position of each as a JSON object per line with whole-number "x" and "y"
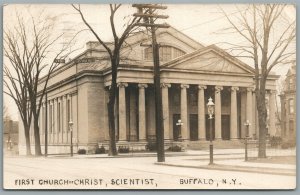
{"x": 220, "y": 144}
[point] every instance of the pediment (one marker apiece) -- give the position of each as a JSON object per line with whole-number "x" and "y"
{"x": 210, "y": 59}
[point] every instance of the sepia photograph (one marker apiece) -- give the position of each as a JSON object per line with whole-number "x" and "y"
{"x": 149, "y": 96}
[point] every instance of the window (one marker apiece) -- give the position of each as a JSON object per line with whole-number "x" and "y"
{"x": 177, "y": 53}
{"x": 58, "y": 117}
{"x": 166, "y": 53}
{"x": 68, "y": 113}
{"x": 291, "y": 106}
{"x": 148, "y": 53}
{"x": 50, "y": 119}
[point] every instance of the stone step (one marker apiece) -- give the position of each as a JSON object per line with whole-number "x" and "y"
{"x": 220, "y": 144}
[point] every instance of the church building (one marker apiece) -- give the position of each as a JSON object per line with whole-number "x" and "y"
{"x": 191, "y": 73}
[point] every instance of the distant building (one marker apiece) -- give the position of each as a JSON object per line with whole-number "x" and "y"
{"x": 191, "y": 73}
{"x": 10, "y": 135}
{"x": 288, "y": 106}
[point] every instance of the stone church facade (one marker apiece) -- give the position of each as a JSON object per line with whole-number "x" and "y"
{"x": 190, "y": 74}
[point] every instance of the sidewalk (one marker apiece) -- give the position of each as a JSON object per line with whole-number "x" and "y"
{"x": 232, "y": 160}
{"x": 224, "y": 160}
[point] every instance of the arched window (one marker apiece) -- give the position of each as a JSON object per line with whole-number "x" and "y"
{"x": 166, "y": 53}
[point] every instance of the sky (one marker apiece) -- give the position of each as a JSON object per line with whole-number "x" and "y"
{"x": 203, "y": 22}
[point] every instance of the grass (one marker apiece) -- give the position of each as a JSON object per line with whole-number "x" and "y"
{"x": 276, "y": 160}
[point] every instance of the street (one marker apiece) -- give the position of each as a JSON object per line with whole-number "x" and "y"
{"x": 128, "y": 173}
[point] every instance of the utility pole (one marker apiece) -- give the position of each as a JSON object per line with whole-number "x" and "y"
{"x": 146, "y": 11}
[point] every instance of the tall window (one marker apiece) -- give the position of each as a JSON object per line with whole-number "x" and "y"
{"x": 50, "y": 118}
{"x": 68, "y": 113}
{"x": 58, "y": 117}
{"x": 166, "y": 53}
{"x": 291, "y": 106}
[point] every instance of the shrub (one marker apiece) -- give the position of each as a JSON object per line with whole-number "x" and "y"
{"x": 100, "y": 150}
{"x": 151, "y": 146}
{"x": 287, "y": 145}
{"x": 123, "y": 149}
{"x": 275, "y": 141}
{"x": 81, "y": 151}
{"x": 175, "y": 148}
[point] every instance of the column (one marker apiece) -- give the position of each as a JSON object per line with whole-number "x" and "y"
{"x": 142, "y": 112}
{"x": 272, "y": 126}
{"x": 165, "y": 107}
{"x": 233, "y": 114}
{"x": 249, "y": 111}
{"x": 122, "y": 112}
{"x": 201, "y": 113}
{"x": 218, "y": 112}
{"x": 183, "y": 112}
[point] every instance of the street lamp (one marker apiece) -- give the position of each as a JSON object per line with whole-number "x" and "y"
{"x": 247, "y": 124}
{"x": 210, "y": 110}
{"x": 179, "y": 123}
{"x": 71, "y": 130}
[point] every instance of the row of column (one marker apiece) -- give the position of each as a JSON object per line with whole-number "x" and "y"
{"x": 57, "y": 119}
{"x": 201, "y": 112}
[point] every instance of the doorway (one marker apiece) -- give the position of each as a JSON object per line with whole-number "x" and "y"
{"x": 176, "y": 128}
{"x": 207, "y": 125}
{"x": 193, "y": 127}
{"x": 225, "y": 127}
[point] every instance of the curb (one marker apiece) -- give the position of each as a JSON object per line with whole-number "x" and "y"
{"x": 261, "y": 170}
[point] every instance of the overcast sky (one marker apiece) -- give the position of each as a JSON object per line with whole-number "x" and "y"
{"x": 202, "y": 22}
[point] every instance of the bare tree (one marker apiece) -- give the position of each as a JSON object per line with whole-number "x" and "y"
{"x": 14, "y": 84}
{"x": 5, "y": 111}
{"x": 29, "y": 47}
{"x": 114, "y": 56}
{"x": 268, "y": 40}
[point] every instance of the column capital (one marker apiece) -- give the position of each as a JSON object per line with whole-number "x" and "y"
{"x": 272, "y": 92}
{"x": 250, "y": 89}
{"x": 218, "y": 88}
{"x": 164, "y": 85}
{"x": 183, "y": 86}
{"x": 142, "y": 85}
{"x": 202, "y": 87}
{"x": 122, "y": 85}
{"x": 233, "y": 89}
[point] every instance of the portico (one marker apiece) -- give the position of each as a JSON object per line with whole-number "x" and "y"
{"x": 185, "y": 91}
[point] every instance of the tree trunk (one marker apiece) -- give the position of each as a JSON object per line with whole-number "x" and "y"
{"x": 262, "y": 116}
{"x": 111, "y": 110}
{"x": 37, "y": 141}
{"x": 27, "y": 140}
